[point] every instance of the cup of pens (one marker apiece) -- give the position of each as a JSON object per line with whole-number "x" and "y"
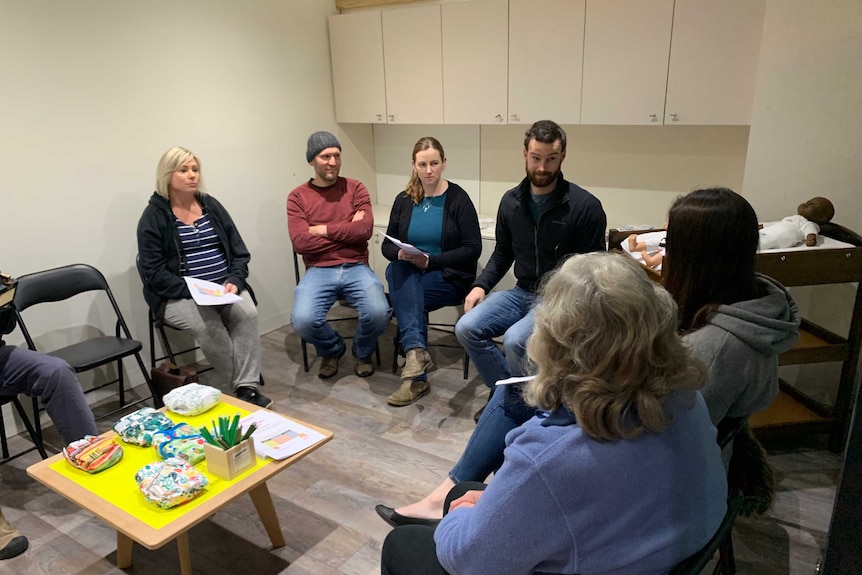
{"x": 228, "y": 450}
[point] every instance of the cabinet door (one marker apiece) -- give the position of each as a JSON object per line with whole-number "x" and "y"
{"x": 376, "y": 261}
{"x": 475, "y": 54}
{"x": 713, "y": 61}
{"x": 356, "y": 43}
{"x": 545, "y": 76}
{"x": 626, "y": 49}
{"x": 413, "y": 59}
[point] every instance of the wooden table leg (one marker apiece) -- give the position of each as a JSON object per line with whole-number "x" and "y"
{"x": 266, "y": 510}
{"x": 124, "y": 551}
{"x": 185, "y": 555}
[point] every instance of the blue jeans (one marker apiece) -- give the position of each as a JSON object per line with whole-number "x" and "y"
{"x": 320, "y": 288}
{"x": 484, "y": 452}
{"x": 414, "y": 293}
{"x": 507, "y": 313}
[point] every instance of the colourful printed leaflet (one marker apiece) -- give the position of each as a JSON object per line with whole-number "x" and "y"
{"x": 278, "y": 437}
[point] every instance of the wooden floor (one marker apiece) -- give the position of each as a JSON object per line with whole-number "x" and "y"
{"x": 379, "y": 454}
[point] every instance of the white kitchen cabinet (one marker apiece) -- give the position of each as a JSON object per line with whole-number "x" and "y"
{"x": 713, "y": 61}
{"x": 376, "y": 260}
{"x": 413, "y": 64}
{"x": 475, "y": 62}
{"x": 626, "y": 50}
{"x": 546, "y": 53}
{"x": 356, "y": 45}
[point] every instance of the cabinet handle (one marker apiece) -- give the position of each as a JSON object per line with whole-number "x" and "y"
{"x": 498, "y": 118}
{"x": 514, "y": 118}
{"x": 379, "y": 117}
{"x": 674, "y": 117}
{"x": 653, "y": 117}
{"x": 391, "y": 117}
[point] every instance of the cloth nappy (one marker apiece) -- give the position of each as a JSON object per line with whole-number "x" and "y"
{"x": 170, "y": 482}
{"x": 93, "y": 453}
{"x": 181, "y": 440}
{"x": 140, "y": 426}
{"x": 192, "y": 399}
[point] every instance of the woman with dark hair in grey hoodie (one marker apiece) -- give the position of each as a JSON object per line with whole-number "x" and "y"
{"x": 737, "y": 322}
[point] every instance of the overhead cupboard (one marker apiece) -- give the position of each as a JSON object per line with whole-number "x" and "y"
{"x": 622, "y": 62}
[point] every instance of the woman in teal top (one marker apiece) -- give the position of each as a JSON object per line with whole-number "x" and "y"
{"x": 437, "y": 217}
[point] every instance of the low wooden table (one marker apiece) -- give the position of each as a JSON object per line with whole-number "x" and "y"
{"x": 130, "y": 528}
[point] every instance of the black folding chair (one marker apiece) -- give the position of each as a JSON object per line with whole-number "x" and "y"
{"x": 303, "y": 343}
{"x": 449, "y": 328}
{"x": 35, "y": 431}
{"x": 696, "y": 563}
{"x": 162, "y": 326}
{"x": 62, "y": 283}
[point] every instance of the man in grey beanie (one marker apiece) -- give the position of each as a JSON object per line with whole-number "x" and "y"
{"x": 329, "y": 220}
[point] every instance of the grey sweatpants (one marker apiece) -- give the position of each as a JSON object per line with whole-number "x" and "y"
{"x": 227, "y": 334}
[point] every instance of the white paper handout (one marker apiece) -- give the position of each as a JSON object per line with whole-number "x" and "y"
{"x": 512, "y": 380}
{"x": 277, "y": 437}
{"x": 408, "y": 248}
{"x": 209, "y": 293}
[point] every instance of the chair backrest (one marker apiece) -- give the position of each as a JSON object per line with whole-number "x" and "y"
{"x": 57, "y": 284}
{"x": 728, "y": 428}
{"x": 296, "y": 274}
{"x": 60, "y": 284}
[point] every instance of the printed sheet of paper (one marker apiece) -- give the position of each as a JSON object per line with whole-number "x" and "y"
{"x": 408, "y": 248}
{"x": 209, "y": 293}
{"x": 512, "y": 380}
{"x": 278, "y": 437}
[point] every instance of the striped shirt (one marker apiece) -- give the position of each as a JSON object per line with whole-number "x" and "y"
{"x": 204, "y": 254}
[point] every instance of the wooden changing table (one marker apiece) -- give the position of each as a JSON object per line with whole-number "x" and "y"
{"x": 793, "y": 412}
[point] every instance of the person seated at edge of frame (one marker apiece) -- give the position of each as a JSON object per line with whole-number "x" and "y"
{"x": 437, "y": 217}
{"x": 737, "y": 322}
{"x": 329, "y": 220}
{"x": 33, "y": 373}
{"x": 620, "y": 473}
{"x": 185, "y": 232}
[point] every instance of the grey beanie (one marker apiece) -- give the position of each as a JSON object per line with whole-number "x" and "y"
{"x": 319, "y": 141}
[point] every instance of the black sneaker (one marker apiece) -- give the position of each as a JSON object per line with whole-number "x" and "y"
{"x": 252, "y": 395}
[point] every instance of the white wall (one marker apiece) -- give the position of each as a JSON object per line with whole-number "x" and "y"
{"x": 94, "y": 91}
{"x": 636, "y": 171}
{"x": 806, "y": 137}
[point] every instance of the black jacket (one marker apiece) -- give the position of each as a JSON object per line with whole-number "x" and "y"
{"x": 461, "y": 241}
{"x": 573, "y": 223}
{"x": 160, "y": 256}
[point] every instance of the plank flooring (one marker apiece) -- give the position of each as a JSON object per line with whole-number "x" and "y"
{"x": 379, "y": 454}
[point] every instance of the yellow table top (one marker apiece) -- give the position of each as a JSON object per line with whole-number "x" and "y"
{"x": 114, "y": 496}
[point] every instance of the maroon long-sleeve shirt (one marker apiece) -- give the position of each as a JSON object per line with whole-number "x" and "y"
{"x": 346, "y": 241}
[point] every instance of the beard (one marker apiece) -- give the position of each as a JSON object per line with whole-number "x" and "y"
{"x": 326, "y": 176}
{"x": 541, "y": 179}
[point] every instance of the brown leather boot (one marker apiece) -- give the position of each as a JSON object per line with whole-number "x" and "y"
{"x": 409, "y": 392}
{"x": 418, "y": 362}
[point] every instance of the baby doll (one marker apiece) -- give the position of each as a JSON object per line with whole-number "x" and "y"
{"x": 650, "y": 246}
{"x": 803, "y": 227}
